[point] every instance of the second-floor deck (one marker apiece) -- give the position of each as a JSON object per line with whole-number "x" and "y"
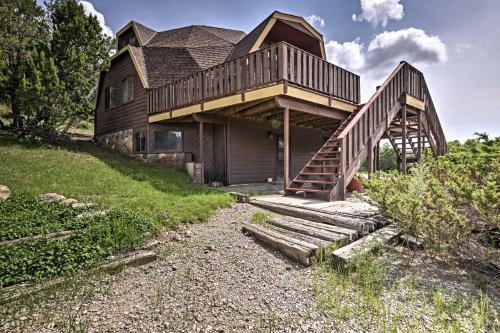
{"x": 280, "y": 68}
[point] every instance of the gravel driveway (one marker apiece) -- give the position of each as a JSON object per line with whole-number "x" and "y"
{"x": 209, "y": 278}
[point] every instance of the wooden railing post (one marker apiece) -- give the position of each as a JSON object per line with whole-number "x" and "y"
{"x": 403, "y": 139}
{"x": 419, "y": 135}
{"x": 370, "y": 157}
{"x": 282, "y": 62}
{"x": 342, "y": 172}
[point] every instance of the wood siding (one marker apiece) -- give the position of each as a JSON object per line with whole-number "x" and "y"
{"x": 253, "y": 154}
{"x": 121, "y": 116}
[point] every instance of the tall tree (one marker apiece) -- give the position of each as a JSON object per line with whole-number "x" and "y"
{"x": 80, "y": 51}
{"x": 41, "y": 94}
{"x": 22, "y": 28}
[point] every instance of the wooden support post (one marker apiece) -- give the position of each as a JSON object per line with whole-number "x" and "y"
{"x": 403, "y": 139}
{"x": 286, "y": 134}
{"x": 419, "y": 142}
{"x": 202, "y": 156}
{"x": 370, "y": 157}
{"x": 343, "y": 160}
{"x": 377, "y": 157}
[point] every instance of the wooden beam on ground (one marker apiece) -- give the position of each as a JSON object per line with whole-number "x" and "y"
{"x": 320, "y": 110}
{"x": 295, "y": 249}
{"x": 305, "y": 238}
{"x": 313, "y": 229}
{"x": 286, "y": 134}
{"x": 361, "y": 226}
{"x": 365, "y": 244}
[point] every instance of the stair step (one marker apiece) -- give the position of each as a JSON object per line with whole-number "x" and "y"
{"x": 295, "y": 189}
{"x": 319, "y": 173}
{"x": 359, "y": 225}
{"x": 328, "y": 152}
{"x": 331, "y": 146}
{"x": 323, "y": 166}
{"x": 327, "y": 158}
{"x": 311, "y": 229}
{"x": 313, "y": 181}
{"x": 293, "y": 248}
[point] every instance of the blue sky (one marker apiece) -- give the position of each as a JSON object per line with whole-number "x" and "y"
{"x": 455, "y": 42}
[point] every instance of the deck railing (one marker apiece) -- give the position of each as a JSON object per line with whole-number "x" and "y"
{"x": 277, "y": 63}
{"x": 404, "y": 79}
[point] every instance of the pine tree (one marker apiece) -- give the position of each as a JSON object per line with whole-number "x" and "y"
{"x": 80, "y": 51}
{"x": 23, "y": 27}
{"x": 41, "y": 94}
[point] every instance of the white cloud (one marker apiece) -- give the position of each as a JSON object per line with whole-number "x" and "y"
{"x": 350, "y": 55}
{"x": 379, "y": 11}
{"x": 90, "y": 10}
{"x": 315, "y": 21}
{"x": 387, "y": 49}
{"x": 384, "y": 52}
{"x": 411, "y": 44}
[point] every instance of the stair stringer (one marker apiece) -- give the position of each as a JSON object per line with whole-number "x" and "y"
{"x": 350, "y": 172}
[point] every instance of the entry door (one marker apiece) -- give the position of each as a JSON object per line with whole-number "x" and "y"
{"x": 280, "y": 157}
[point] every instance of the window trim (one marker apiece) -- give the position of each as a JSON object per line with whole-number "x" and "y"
{"x": 111, "y": 105}
{"x": 131, "y": 83}
{"x": 164, "y": 150}
{"x": 134, "y": 141}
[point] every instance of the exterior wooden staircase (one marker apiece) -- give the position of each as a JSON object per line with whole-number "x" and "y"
{"x": 401, "y": 110}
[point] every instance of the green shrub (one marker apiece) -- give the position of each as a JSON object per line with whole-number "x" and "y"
{"x": 25, "y": 215}
{"x": 115, "y": 232}
{"x": 443, "y": 200}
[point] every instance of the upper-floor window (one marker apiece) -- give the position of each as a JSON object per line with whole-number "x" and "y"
{"x": 108, "y": 97}
{"x": 126, "y": 39}
{"x": 128, "y": 90}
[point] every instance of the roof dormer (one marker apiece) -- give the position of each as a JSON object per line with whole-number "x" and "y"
{"x": 133, "y": 34}
{"x": 280, "y": 27}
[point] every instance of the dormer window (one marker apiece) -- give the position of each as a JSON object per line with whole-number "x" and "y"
{"x": 127, "y": 38}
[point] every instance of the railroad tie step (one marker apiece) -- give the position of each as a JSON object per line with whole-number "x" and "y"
{"x": 361, "y": 225}
{"x": 293, "y": 248}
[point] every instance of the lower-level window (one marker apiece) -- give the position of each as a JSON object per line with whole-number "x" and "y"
{"x": 168, "y": 141}
{"x": 139, "y": 142}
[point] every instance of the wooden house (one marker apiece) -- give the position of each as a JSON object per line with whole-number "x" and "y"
{"x": 246, "y": 108}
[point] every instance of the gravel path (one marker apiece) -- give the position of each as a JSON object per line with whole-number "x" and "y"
{"x": 212, "y": 278}
{"x": 209, "y": 278}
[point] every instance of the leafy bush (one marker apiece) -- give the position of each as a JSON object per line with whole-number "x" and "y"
{"x": 25, "y": 215}
{"x": 112, "y": 233}
{"x": 442, "y": 201}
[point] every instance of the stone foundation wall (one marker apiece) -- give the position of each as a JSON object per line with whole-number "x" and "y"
{"x": 173, "y": 160}
{"x": 120, "y": 141}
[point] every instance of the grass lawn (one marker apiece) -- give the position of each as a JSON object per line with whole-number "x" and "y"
{"x": 88, "y": 173}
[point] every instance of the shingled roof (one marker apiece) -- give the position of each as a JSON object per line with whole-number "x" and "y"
{"x": 169, "y": 55}
{"x": 246, "y": 43}
{"x": 164, "y": 56}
